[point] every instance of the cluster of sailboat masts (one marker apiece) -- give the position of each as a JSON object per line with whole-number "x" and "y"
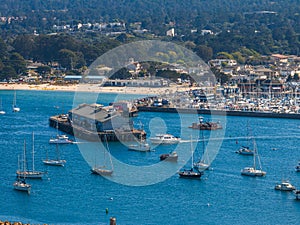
{"x": 23, "y": 172}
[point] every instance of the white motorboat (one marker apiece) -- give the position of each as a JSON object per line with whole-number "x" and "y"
{"x": 140, "y": 147}
{"x": 165, "y": 139}
{"x": 60, "y": 139}
{"x": 285, "y": 186}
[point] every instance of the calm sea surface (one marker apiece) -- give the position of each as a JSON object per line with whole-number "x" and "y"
{"x": 71, "y": 195}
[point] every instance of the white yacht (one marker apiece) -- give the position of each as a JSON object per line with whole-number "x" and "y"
{"x": 165, "y": 139}
{"x": 285, "y": 186}
{"x": 140, "y": 147}
{"x": 60, "y": 139}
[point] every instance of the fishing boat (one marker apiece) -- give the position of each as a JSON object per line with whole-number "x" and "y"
{"x": 104, "y": 170}
{"x": 55, "y": 162}
{"x": 285, "y": 186}
{"x": 15, "y": 108}
{"x": 192, "y": 172}
{"x": 297, "y": 168}
{"x": 20, "y": 184}
{"x": 165, "y": 139}
{"x": 2, "y": 112}
{"x": 172, "y": 156}
{"x": 253, "y": 171}
{"x": 31, "y": 174}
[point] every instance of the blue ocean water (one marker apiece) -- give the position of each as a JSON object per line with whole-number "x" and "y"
{"x": 71, "y": 195}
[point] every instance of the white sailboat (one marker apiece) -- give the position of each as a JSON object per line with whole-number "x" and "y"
{"x": 201, "y": 165}
{"x": 33, "y": 174}
{"x": 15, "y": 108}
{"x": 20, "y": 184}
{"x": 55, "y": 162}
{"x": 2, "y": 112}
{"x": 103, "y": 170}
{"x": 254, "y": 171}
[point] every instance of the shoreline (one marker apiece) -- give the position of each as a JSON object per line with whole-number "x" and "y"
{"x": 95, "y": 88}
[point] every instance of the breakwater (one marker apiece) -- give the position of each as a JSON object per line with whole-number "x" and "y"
{"x": 219, "y": 112}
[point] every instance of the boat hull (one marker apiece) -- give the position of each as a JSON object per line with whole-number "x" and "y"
{"x": 30, "y": 174}
{"x": 55, "y": 162}
{"x": 22, "y": 186}
{"x": 102, "y": 172}
{"x": 189, "y": 174}
{"x": 253, "y": 172}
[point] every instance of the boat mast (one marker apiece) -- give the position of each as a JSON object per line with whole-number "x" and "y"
{"x": 32, "y": 151}
{"x": 24, "y": 159}
{"x": 255, "y": 153}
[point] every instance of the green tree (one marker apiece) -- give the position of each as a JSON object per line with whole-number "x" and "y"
{"x": 67, "y": 58}
{"x": 7, "y": 73}
{"x": 17, "y": 62}
{"x": 204, "y": 52}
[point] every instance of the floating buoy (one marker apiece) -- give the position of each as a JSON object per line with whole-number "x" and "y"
{"x": 111, "y": 198}
{"x": 208, "y": 204}
{"x": 106, "y": 210}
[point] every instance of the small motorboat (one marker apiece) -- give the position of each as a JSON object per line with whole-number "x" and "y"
{"x": 172, "y": 156}
{"x": 245, "y": 151}
{"x": 140, "y": 147}
{"x": 165, "y": 139}
{"x": 285, "y": 186}
{"x": 191, "y": 173}
{"x": 60, "y": 139}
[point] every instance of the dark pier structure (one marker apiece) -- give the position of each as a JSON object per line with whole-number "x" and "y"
{"x": 93, "y": 122}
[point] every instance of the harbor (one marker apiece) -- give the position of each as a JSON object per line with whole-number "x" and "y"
{"x": 77, "y": 189}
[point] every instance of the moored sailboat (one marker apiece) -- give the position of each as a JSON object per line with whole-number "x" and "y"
{"x": 2, "y": 112}
{"x": 104, "y": 170}
{"x": 254, "y": 171}
{"x": 55, "y": 162}
{"x": 192, "y": 172}
{"x": 20, "y": 184}
{"x": 33, "y": 174}
{"x": 15, "y": 108}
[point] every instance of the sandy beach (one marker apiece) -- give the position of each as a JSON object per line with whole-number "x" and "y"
{"x": 96, "y": 88}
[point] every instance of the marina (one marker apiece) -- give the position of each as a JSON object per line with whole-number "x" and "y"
{"x": 63, "y": 184}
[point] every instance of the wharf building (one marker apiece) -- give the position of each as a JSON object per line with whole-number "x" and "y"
{"x": 94, "y": 121}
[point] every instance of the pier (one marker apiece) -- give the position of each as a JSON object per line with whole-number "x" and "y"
{"x": 64, "y": 124}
